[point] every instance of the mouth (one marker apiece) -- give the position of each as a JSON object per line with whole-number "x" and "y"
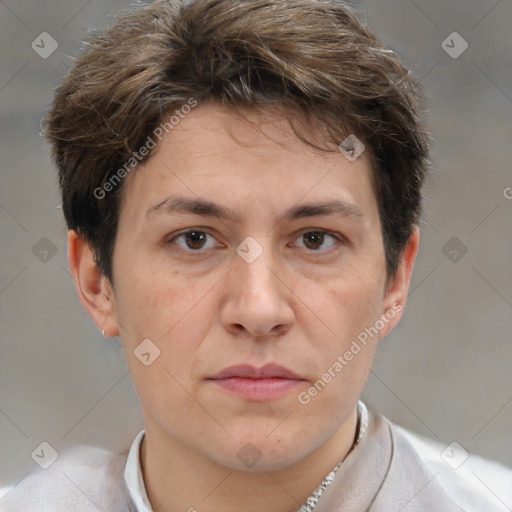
{"x": 257, "y": 384}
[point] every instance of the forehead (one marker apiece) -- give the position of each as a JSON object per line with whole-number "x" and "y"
{"x": 214, "y": 154}
{"x": 258, "y": 131}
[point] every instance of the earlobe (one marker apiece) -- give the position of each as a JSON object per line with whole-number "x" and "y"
{"x": 93, "y": 288}
{"x": 396, "y": 292}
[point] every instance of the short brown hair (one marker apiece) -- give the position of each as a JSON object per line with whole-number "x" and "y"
{"x": 314, "y": 57}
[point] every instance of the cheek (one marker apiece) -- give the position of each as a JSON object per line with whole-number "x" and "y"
{"x": 343, "y": 358}
{"x": 170, "y": 310}
{"x": 352, "y": 303}
{"x": 166, "y": 309}
{"x": 152, "y": 299}
{"x": 348, "y": 307}
{"x": 166, "y": 397}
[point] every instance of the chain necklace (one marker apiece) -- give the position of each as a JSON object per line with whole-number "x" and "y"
{"x": 362, "y": 423}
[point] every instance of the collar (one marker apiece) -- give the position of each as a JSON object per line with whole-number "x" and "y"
{"x": 139, "y": 500}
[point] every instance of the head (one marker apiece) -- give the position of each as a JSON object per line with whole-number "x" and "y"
{"x": 228, "y": 118}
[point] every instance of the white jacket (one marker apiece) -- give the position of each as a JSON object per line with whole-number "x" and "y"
{"x": 390, "y": 470}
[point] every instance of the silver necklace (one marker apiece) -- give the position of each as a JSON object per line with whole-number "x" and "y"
{"x": 362, "y": 415}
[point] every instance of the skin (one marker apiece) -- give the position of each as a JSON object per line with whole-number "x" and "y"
{"x": 301, "y": 303}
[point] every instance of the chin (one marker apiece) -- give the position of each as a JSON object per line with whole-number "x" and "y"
{"x": 257, "y": 453}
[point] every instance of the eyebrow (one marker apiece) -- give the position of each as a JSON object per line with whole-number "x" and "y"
{"x": 184, "y": 205}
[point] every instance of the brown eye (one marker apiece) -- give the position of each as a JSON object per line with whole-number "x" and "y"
{"x": 191, "y": 241}
{"x": 194, "y": 239}
{"x": 315, "y": 239}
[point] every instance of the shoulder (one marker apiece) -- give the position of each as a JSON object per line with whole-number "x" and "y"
{"x": 83, "y": 478}
{"x": 472, "y": 482}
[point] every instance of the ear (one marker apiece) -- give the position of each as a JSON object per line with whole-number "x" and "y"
{"x": 94, "y": 289}
{"x": 397, "y": 289}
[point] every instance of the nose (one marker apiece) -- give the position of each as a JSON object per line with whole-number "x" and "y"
{"x": 258, "y": 301}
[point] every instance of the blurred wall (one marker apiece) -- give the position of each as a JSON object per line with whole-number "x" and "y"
{"x": 443, "y": 372}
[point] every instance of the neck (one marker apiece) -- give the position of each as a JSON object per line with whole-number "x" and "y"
{"x": 179, "y": 479}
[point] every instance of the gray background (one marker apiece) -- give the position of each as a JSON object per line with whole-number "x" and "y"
{"x": 444, "y": 371}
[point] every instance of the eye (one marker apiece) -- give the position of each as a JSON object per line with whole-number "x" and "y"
{"x": 193, "y": 239}
{"x": 314, "y": 239}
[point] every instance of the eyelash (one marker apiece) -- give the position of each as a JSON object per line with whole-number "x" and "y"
{"x": 338, "y": 236}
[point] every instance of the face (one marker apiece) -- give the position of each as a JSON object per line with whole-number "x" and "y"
{"x": 264, "y": 284}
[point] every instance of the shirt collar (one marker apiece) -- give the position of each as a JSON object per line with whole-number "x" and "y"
{"x": 133, "y": 477}
{"x": 139, "y": 500}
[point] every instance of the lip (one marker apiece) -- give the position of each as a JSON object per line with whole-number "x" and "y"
{"x": 268, "y": 371}
{"x": 257, "y": 384}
